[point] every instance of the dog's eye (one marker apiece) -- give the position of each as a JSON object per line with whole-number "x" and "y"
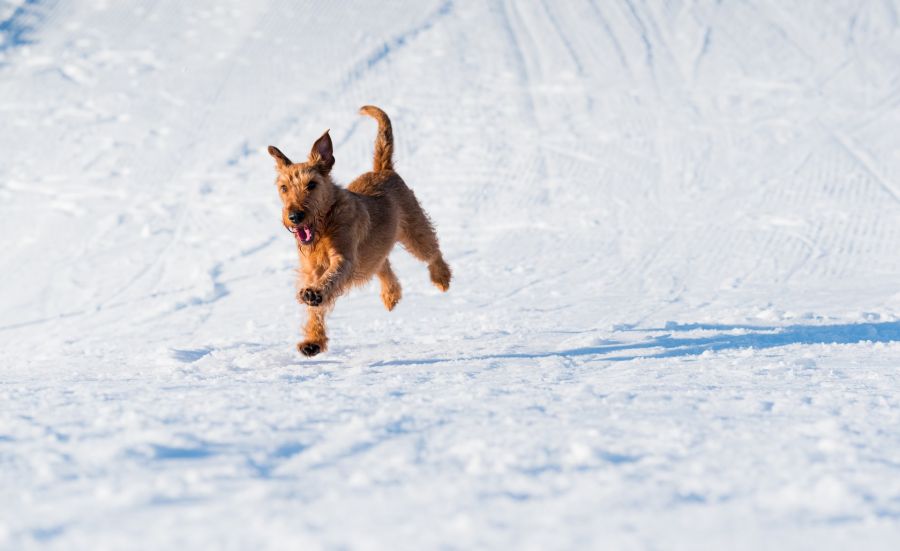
{"x": 311, "y": 185}
{"x": 283, "y": 189}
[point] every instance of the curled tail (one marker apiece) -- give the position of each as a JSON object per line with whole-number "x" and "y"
{"x": 384, "y": 141}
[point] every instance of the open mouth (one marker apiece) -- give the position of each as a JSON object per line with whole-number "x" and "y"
{"x": 304, "y": 234}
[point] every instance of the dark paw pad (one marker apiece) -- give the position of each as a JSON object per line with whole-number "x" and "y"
{"x": 311, "y": 297}
{"x": 309, "y": 348}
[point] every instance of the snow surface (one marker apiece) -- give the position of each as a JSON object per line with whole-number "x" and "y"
{"x": 674, "y": 323}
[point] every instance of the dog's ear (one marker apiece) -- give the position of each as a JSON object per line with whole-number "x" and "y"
{"x": 322, "y": 154}
{"x": 281, "y": 159}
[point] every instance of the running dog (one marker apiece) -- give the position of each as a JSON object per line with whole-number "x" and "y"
{"x": 344, "y": 236}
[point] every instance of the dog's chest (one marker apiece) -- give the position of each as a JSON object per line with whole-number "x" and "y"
{"x": 314, "y": 261}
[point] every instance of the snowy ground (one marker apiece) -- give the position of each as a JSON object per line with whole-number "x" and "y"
{"x": 675, "y": 321}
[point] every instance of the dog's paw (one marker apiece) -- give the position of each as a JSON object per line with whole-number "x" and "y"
{"x": 310, "y": 296}
{"x": 440, "y": 274}
{"x": 390, "y": 297}
{"x": 309, "y": 349}
{"x": 390, "y": 301}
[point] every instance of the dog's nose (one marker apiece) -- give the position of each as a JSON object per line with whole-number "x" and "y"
{"x": 296, "y": 216}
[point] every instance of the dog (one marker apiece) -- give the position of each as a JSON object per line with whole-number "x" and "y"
{"x": 344, "y": 236}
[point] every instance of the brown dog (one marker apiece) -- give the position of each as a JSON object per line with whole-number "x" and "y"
{"x": 344, "y": 236}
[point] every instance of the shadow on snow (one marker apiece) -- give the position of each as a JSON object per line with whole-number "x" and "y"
{"x": 728, "y": 337}
{"x": 16, "y": 28}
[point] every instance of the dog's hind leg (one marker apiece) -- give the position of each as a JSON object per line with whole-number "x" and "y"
{"x": 390, "y": 286}
{"x": 417, "y": 236}
{"x": 316, "y": 338}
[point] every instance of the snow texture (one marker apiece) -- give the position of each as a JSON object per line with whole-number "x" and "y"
{"x": 675, "y": 321}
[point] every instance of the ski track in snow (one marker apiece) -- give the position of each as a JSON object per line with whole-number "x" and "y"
{"x": 674, "y": 319}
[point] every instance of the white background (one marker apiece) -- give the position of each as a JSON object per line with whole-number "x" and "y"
{"x": 674, "y": 229}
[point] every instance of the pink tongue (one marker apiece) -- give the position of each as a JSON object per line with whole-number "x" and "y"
{"x": 307, "y": 234}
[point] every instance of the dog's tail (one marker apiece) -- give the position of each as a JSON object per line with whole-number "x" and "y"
{"x": 384, "y": 141}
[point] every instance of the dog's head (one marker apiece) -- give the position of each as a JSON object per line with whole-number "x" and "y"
{"x": 306, "y": 189}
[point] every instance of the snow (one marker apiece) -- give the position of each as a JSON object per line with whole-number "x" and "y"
{"x": 674, "y": 323}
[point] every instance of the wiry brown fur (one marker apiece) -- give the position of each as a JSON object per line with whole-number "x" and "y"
{"x": 384, "y": 140}
{"x": 354, "y": 228}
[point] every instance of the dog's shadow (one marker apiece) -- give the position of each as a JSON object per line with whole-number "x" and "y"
{"x": 672, "y": 343}
{"x": 758, "y": 337}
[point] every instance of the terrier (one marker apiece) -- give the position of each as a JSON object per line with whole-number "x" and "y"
{"x": 344, "y": 236}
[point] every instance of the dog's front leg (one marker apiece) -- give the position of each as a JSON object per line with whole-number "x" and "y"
{"x": 319, "y": 299}
{"x": 335, "y": 281}
{"x": 316, "y": 340}
{"x": 331, "y": 285}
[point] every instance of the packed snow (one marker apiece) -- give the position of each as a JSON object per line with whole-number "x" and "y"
{"x": 675, "y": 316}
